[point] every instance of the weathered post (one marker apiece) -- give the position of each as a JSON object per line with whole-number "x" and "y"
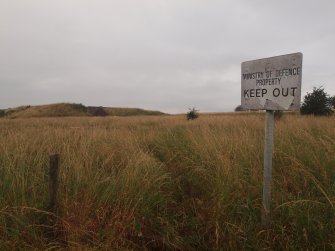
{"x": 54, "y": 227}
{"x": 267, "y": 179}
{"x": 53, "y": 181}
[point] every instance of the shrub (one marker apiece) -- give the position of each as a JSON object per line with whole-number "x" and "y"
{"x": 317, "y": 103}
{"x": 333, "y": 101}
{"x": 192, "y": 114}
{"x": 239, "y": 108}
{"x": 278, "y": 115}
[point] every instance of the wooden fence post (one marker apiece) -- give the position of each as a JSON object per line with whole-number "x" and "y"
{"x": 53, "y": 181}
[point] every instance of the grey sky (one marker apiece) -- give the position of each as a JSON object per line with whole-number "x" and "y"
{"x": 167, "y": 55}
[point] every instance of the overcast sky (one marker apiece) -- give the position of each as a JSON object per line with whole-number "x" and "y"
{"x": 165, "y": 55}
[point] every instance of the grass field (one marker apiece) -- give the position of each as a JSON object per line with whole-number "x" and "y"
{"x": 164, "y": 183}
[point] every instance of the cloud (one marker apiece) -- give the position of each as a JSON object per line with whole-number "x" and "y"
{"x": 167, "y": 55}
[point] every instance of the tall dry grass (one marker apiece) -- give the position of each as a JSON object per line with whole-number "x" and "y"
{"x": 164, "y": 183}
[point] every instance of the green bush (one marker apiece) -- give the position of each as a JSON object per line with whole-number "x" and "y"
{"x": 192, "y": 114}
{"x": 317, "y": 103}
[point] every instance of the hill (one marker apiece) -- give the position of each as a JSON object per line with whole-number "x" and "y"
{"x": 73, "y": 110}
{"x": 118, "y": 111}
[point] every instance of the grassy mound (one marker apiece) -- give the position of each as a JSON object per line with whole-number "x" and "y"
{"x": 52, "y": 110}
{"x": 70, "y": 110}
{"x": 117, "y": 111}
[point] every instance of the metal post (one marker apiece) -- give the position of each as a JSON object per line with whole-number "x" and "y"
{"x": 267, "y": 167}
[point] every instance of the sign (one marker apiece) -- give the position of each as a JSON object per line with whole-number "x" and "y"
{"x": 272, "y": 83}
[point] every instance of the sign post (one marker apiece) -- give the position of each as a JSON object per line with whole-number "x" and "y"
{"x": 271, "y": 84}
{"x": 269, "y": 122}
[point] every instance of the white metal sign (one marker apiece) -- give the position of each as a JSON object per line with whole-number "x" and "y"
{"x": 272, "y": 83}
